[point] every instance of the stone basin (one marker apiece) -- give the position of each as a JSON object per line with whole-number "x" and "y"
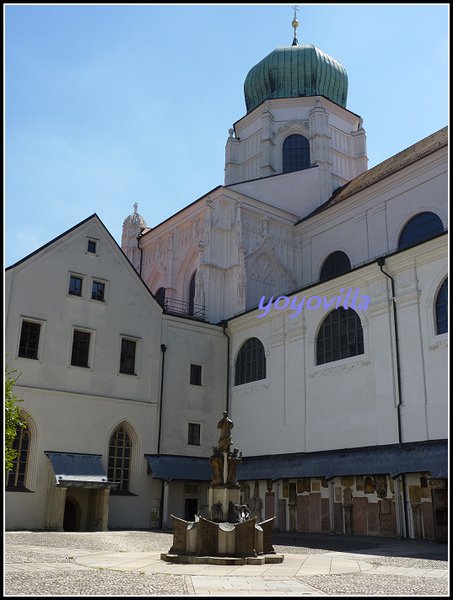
{"x": 205, "y": 541}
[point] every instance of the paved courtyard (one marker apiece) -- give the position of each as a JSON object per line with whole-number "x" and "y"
{"x": 128, "y": 563}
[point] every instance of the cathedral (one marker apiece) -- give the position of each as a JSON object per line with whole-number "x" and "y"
{"x": 306, "y": 297}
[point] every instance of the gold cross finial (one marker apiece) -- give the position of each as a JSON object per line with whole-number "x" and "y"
{"x": 295, "y": 25}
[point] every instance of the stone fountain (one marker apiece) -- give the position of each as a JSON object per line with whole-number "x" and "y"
{"x": 229, "y": 535}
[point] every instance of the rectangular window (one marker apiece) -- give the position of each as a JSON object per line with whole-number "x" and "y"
{"x": 91, "y": 246}
{"x": 194, "y": 434}
{"x": 127, "y": 362}
{"x": 195, "y": 374}
{"x": 75, "y": 285}
{"x": 29, "y": 339}
{"x": 98, "y": 291}
{"x": 80, "y": 348}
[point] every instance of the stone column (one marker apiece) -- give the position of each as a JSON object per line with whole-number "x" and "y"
{"x": 165, "y": 505}
{"x": 277, "y": 498}
{"x": 400, "y": 523}
{"x": 332, "y": 506}
{"x": 101, "y": 504}
{"x": 55, "y": 504}
{"x": 347, "y": 506}
{"x": 292, "y": 503}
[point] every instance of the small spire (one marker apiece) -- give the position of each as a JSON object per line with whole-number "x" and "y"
{"x": 135, "y": 207}
{"x": 295, "y": 25}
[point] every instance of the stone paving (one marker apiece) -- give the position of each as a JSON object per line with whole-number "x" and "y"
{"x": 43, "y": 563}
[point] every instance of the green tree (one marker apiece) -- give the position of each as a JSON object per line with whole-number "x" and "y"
{"x": 13, "y": 416}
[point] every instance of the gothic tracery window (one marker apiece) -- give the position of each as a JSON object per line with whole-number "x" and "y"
{"x": 160, "y": 296}
{"x": 119, "y": 459}
{"x": 15, "y": 478}
{"x": 192, "y": 293}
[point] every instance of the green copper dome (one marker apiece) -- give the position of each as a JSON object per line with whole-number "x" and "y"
{"x": 294, "y": 71}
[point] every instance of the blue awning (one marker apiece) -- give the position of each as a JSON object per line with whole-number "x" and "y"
{"x": 413, "y": 457}
{"x": 185, "y": 468}
{"x": 78, "y": 470}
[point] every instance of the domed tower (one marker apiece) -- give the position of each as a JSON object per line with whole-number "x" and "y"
{"x": 133, "y": 226}
{"x": 297, "y": 120}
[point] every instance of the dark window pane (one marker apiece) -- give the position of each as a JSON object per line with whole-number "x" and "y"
{"x": 340, "y": 336}
{"x": 92, "y": 246}
{"x": 15, "y": 478}
{"x": 442, "y": 309}
{"x": 75, "y": 285}
{"x": 127, "y": 363}
{"x": 98, "y": 291}
{"x": 194, "y": 434}
{"x": 421, "y": 227}
{"x": 192, "y": 293}
{"x": 29, "y": 340}
{"x": 335, "y": 264}
{"x": 118, "y": 469}
{"x": 296, "y": 153}
{"x": 160, "y": 296}
{"x": 250, "y": 362}
{"x": 195, "y": 374}
{"x": 80, "y": 349}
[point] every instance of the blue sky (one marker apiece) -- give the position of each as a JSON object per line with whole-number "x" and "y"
{"x": 107, "y": 105}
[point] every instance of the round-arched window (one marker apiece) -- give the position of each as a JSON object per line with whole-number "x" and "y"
{"x": 250, "y": 362}
{"x": 335, "y": 264}
{"x": 340, "y": 336}
{"x": 296, "y": 153}
{"x": 442, "y": 309}
{"x": 423, "y": 226}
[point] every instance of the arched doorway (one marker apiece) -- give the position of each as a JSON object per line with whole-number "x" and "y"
{"x": 71, "y": 516}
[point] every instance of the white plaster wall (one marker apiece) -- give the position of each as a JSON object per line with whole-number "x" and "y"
{"x": 76, "y": 409}
{"x": 301, "y": 406}
{"x": 39, "y": 290}
{"x": 369, "y": 223}
{"x": 183, "y": 403}
{"x": 297, "y": 192}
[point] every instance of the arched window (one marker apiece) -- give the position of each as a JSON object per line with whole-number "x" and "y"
{"x": 15, "y": 478}
{"x": 250, "y": 362}
{"x": 160, "y": 296}
{"x": 340, "y": 336}
{"x": 442, "y": 309}
{"x": 192, "y": 293}
{"x": 335, "y": 264}
{"x": 119, "y": 459}
{"x": 296, "y": 153}
{"x": 421, "y": 227}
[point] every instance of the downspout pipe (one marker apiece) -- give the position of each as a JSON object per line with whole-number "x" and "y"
{"x": 381, "y": 264}
{"x": 163, "y": 349}
{"x": 224, "y": 326}
{"x": 141, "y": 254}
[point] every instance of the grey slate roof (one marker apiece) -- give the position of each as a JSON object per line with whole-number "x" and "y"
{"x": 413, "y": 457}
{"x": 78, "y": 470}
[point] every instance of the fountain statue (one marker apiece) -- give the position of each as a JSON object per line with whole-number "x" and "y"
{"x": 229, "y": 535}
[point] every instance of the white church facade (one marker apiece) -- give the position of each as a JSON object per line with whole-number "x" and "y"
{"x": 307, "y": 296}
